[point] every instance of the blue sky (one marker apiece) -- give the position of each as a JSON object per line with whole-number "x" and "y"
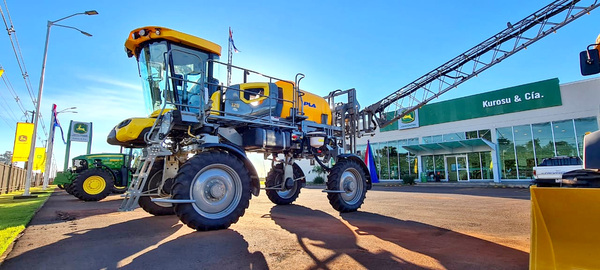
{"x": 375, "y": 46}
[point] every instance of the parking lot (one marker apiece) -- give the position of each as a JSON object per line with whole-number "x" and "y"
{"x": 407, "y": 227}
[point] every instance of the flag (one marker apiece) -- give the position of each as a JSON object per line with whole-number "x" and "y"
{"x": 370, "y": 162}
{"x": 231, "y": 40}
{"x": 22, "y": 145}
{"x": 57, "y": 124}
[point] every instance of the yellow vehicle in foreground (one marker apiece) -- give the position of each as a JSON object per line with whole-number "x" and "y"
{"x": 198, "y": 132}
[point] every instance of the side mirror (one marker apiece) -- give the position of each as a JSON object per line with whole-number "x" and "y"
{"x": 589, "y": 62}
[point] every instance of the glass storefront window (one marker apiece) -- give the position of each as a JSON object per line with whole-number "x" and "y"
{"x": 440, "y": 167}
{"x": 471, "y": 135}
{"x": 360, "y": 151}
{"x": 524, "y": 145}
{"x": 453, "y": 137}
{"x": 543, "y": 143}
{"x": 412, "y": 141}
{"x": 584, "y": 126}
{"x": 487, "y": 167}
{"x": 474, "y": 166}
{"x": 428, "y": 167}
{"x": 436, "y": 138}
{"x": 393, "y": 159}
{"x": 506, "y": 153}
{"x": 485, "y": 134}
{"x": 564, "y": 138}
{"x": 384, "y": 172}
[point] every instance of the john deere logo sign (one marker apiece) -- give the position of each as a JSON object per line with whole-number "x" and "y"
{"x": 410, "y": 120}
{"x": 22, "y": 138}
{"x": 81, "y": 128}
{"x": 80, "y": 131}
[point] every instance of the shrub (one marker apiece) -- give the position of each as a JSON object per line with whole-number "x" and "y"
{"x": 319, "y": 180}
{"x": 408, "y": 179}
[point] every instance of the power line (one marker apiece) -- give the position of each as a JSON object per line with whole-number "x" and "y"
{"x": 7, "y": 109}
{"x": 13, "y": 92}
{"x": 20, "y": 61}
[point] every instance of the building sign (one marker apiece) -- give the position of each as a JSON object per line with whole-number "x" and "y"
{"x": 410, "y": 120}
{"x": 525, "y": 97}
{"x": 80, "y": 131}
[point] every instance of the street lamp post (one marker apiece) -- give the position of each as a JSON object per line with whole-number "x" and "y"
{"x": 39, "y": 98}
{"x": 51, "y": 143}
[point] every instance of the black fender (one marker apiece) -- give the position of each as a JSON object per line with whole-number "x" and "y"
{"x": 362, "y": 164}
{"x": 242, "y": 156}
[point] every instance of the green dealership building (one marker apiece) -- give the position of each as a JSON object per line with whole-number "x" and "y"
{"x": 496, "y": 136}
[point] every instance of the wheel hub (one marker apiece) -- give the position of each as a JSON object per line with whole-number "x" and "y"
{"x": 215, "y": 190}
{"x": 94, "y": 185}
{"x": 289, "y": 183}
{"x": 349, "y": 185}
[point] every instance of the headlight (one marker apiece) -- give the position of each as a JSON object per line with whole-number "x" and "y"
{"x": 165, "y": 124}
{"x": 80, "y": 164}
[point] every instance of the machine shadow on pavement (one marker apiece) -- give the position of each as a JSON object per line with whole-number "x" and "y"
{"x": 96, "y": 248}
{"x": 452, "y": 250}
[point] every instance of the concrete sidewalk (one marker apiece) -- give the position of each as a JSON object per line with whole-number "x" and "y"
{"x": 506, "y": 184}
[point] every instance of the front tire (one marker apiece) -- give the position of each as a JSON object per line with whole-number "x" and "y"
{"x": 92, "y": 184}
{"x": 275, "y": 179}
{"x": 348, "y": 176}
{"x": 69, "y": 188}
{"x": 119, "y": 190}
{"x": 220, "y": 185}
{"x": 153, "y": 183}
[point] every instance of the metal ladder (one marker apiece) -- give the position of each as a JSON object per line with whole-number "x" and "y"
{"x": 138, "y": 181}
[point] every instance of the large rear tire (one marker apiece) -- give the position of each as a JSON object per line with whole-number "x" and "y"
{"x": 93, "y": 184}
{"x": 287, "y": 194}
{"x": 348, "y": 176}
{"x": 220, "y": 185}
{"x": 153, "y": 183}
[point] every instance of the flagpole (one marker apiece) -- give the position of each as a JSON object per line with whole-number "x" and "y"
{"x": 229, "y": 58}
{"x": 50, "y": 147}
{"x": 53, "y": 122}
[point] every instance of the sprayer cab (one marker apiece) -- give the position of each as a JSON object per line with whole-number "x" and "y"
{"x": 175, "y": 68}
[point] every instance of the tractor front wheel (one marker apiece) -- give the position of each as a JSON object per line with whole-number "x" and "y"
{"x": 119, "y": 190}
{"x": 349, "y": 178}
{"x": 69, "y": 188}
{"x": 219, "y": 184}
{"x": 92, "y": 184}
{"x": 288, "y": 189}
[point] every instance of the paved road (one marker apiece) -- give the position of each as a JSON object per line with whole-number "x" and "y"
{"x": 397, "y": 228}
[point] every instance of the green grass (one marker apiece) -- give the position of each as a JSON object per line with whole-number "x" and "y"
{"x": 16, "y": 214}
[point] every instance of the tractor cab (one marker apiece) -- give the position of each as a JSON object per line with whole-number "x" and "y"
{"x": 176, "y": 68}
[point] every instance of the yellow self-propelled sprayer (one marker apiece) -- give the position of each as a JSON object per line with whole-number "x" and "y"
{"x": 197, "y": 135}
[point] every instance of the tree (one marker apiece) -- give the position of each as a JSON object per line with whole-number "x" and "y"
{"x": 6, "y": 158}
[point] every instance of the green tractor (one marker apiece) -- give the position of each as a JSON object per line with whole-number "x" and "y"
{"x": 93, "y": 177}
